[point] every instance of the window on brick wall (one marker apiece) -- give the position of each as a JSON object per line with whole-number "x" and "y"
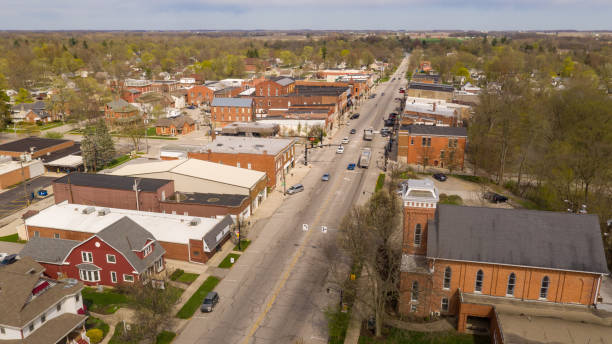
{"x": 452, "y": 143}
{"x": 414, "y": 293}
{"x": 447, "y": 277}
{"x": 444, "y": 304}
{"x": 544, "y": 287}
{"x": 511, "y": 284}
{"x": 426, "y": 142}
{"x": 417, "y": 235}
{"x": 479, "y": 278}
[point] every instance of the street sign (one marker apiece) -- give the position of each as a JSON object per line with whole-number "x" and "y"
{"x": 324, "y": 229}
{"x": 305, "y": 227}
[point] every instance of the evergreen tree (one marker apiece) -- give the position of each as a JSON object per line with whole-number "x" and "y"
{"x": 97, "y": 146}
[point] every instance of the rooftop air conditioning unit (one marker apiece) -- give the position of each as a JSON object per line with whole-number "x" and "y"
{"x": 195, "y": 221}
{"x": 103, "y": 211}
{"x": 88, "y": 210}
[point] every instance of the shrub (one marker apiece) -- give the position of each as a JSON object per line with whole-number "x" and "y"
{"x": 54, "y": 135}
{"x": 176, "y": 274}
{"x": 380, "y": 182}
{"x": 95, "y": 335}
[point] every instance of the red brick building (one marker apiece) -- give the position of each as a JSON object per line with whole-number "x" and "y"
{"x": 119, "y": 109}
{"x": 227, "y": 110}
{"x": 273, "y": 156}
{"x": 180, "y": 125}
{"x": 36, "y": 147}
{"x": 456, "y": 258}
{"x": 428, "y": 145}
{"x": 275, "y": 87}
{"x": 123, "y": 252}
{"x": 200, "y": 94}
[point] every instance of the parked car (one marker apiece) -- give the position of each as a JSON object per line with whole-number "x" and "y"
{"x": 295, "y": 189}
{"x": 495, "y": 197}
{"x": 191, "y": 107}
{"x": 345, "y": 140}
{"x": 353, "y": 131}
{"x": 325, "y": 177}
{"x": 210, "y": 302}
{"x": 340, "y": 150}
{"x": 440, "y": 176}
{"x": 8, "y": 259}
{"x": 355, "y": 116}
{"x": 350, "y": 167}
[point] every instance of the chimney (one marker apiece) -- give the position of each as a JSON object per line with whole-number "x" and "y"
{"x": 434, "y": 107}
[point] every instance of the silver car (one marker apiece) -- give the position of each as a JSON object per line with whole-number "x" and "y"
{"x": 295, "y": 189}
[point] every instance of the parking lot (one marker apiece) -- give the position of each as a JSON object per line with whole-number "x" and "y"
{"x": 17, "y": 198}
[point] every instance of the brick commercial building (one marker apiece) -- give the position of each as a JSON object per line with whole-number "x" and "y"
{"x": 123, "y": 252}
{"x": 37, "y": 309}
{"x": 428, "y": 145}
{"x": 275, "y": 87}
{"x": 194, "y": 175}
{"x": 183, "y": 237}
{"x": 200, "y": 94}
{"x": 104, "y": 190}
{"x": 227, "y": 110}
{"x": 35, "y": 147}
{"x": 431, "y": 113}
{"x": 429, "y": 90}
{"x": 207, "y": 205}
{"x": 180, "y": 125}
{"x": 455, "y": 258}
{"x": 119, "y": 109}
{"x": 273, "y": 156}
{"x": 13, "y": 172}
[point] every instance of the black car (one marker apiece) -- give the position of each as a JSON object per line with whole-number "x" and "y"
{"x": 440, "y": 176}
{"x": 210, "y": 302}
{"x": 495, "y": 197}
{"x": 353, "y": 131}
{"x": 9, "y": 259}
{"x": 355, "y": 116}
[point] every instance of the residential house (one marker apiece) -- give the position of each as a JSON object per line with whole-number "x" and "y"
{"x": 181, "y": 237}
{"x": 37, "y": 309}
{"x": 122, "y": 252}
{"x": 118, "y": 110}
{"x": 488, "y": 265}
{"x": 228, "y": 110}
{"x": 32, "y": 113}
{"x": 172, "y": 126}
{"x": 273, "y": 156}
{"x": 429, "y": 145}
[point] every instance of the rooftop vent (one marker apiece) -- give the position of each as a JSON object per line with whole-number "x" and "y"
{"x": 195, "y": 221}
{"x": 89, "y": 210}
{"x": 103, "y": 211}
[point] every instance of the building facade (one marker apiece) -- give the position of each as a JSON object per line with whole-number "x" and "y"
{"x": 436, "y": 146}
{"x": 228, "y": 110}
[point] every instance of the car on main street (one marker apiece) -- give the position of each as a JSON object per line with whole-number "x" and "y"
{"x": 340, "y": 150}
{"x": 210, "y": 302}
{"x": 345, "y": 140}
{"x": 350, "y": 167}
{"x": 353, "y": 131}
{"x": 325, "y": 177}
{"x": 295, "y": 189}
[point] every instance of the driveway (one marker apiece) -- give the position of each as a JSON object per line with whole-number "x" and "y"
{"x": 471, "y": 193}
{"x": 15, "y": 199}
{"x": 10, "y": 247}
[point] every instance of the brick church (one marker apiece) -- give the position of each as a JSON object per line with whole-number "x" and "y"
{"x": 475, "y": 262}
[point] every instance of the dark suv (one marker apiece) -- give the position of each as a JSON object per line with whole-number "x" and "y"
{"x": 210, "y": 302}
{"x": 495, "y": 197}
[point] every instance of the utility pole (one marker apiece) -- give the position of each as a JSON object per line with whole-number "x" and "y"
{"x": 23, "y": 180}
{"x": 135, "y": 187}
{"x": 239, "y": 238}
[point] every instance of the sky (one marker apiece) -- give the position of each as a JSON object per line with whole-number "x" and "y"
{"x": 306, "y": 14}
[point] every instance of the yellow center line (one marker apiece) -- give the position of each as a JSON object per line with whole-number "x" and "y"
{"x": 290, "y": 268}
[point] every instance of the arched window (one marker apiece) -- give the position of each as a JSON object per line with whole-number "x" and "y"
{"x": 414, "y": 295}
{"x": 447, "y": 277}
{"x": 417, "y": 235}
{"x": 511, "y": 284}
{"x": 479, "y": 278}
{"x": 544, "y": 287}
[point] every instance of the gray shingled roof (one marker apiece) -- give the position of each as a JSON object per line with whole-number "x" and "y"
{"x": 284, "y": 81}
{"x": 421, "y": 129}
{"x": 125, "y": 235}
{"x": 235, "y": 102}
{"x": 48, "y": 250}
{"x": 431, "y": 87}
{"x": 211, "y": 237}
{"x": 517, "y": 237}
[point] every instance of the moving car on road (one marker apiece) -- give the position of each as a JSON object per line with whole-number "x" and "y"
{"x": 440, "y": 176}
{"x": 345, "y": 140}
{"x": 340, "y": 150}
{"x": 350, "y": 167}
{"x": 355, "y": 116}
{"x": 495, "y": 197}
{"x": 353, "y": 131}
{"x": 295, "y": 189}
{"x": 325, "y": 177}
{"x": 210, "y": 302}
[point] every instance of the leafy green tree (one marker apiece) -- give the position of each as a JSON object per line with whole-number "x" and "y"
{"x": 23, "y": 96}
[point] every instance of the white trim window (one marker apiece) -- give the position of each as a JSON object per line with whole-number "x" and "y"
{"x": 89, "y": 275}
{"x": 128, "y": 278}
{"x": 87, "y": 257}
{"x": 110, "y": 258}
{"x": 159, "y": 264}
{"x": 444, "y": 305}
{"x": 113, "y": 276}
{"x": 147, "y": 250}
{"x": 447, "y": 277}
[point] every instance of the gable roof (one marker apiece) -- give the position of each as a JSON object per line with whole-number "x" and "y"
{"x": 235, "y": 102}
{"x": 120, "y": 105}
{"x": 211, "y": 237}
{"x": 421, "y": 129}
{"x": 36, "y": 106}
{"x": 177, "y": 121}
{"x": 109, "y": 181}
{"x": 519, "y": 237}
{"x": 48, "y": 250}
{"x": 126, "y": 236}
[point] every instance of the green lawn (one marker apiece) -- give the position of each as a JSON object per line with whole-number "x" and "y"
{"x": 397, "y": 336}
{"x": 451, "y": 199}
{"x": 176, "y": 274}
{"x": 337, "y": 323}
{"x": 165, "y": 337}
{"x": 244, "y": 244}
{"x": 117, "y": 161}
{"x": 187, "y": 278}
{"x": 106, "y": 302}
{"x": 151, "y": 131}
{"x": 196, "y": 299}
{"x": 12, "y": 238}
{"x": 93, "y": 322}
{"x": 380, "y": 182}
{"x": 227, "y": 263}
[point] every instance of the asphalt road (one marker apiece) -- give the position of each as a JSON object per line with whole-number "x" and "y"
{"x": 277, "y": 291}
{"x": 15, "y": 199}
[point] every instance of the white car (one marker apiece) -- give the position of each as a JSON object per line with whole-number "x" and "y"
{"x": 345, "y": 140}
{"x": 340, "y": 150}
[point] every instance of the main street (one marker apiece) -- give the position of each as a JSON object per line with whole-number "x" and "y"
{"x": 277, "y": 291}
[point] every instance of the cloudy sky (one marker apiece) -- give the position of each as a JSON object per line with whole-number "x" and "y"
{"x": 305, "y": 14}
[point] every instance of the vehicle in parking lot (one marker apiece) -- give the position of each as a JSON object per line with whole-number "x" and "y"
{"x": 7, "y": 259}
{"x": 325, "y": 177}
{"x": 350, "y": 167}
{"x": 495, "y": 197}
{"x": 440, "y": 176}
{"x": 353, "y": 131}
{"x": 340, "y": 150}
{"x": 355, "y": 116}
{"x": 295, "y": 189}
{"x": 345, "y": 140}
{"x": 210, "y": 302}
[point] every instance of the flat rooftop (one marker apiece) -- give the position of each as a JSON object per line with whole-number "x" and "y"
{"x": 247, "y": 145}
{"x": 164, "y": 227}
{"x": 108, "y": 181}
{"x": 227, "y": 200}
{"x": 24, "y": 145}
